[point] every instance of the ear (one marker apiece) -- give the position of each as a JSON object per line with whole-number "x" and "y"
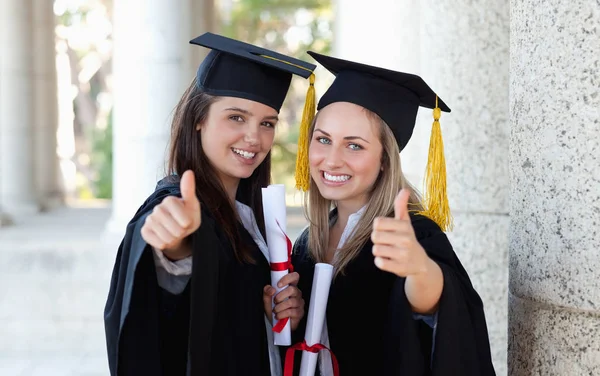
{"x": 198, "y": 126}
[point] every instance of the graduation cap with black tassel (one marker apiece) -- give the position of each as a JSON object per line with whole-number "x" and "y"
{"x": 237, "y": 69}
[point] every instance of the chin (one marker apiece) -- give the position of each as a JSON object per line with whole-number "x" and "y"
{"x": 245, "y": 174}
{"x": 333, "y": 194}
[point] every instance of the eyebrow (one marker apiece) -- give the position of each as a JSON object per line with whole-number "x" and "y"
{"x": 246, "y": 112}
{"x": 345, "y": 138}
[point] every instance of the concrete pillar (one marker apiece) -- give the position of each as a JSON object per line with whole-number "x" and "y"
{"x": 151, "y": 70}
{"x": 464, "y": 56}
{"x": 462, "y": 52}
{"x": 46, "y": 105}
{"x": 554, "y": 311}
{"x": 17, "y": 188}
{"x": 203, "y": 19}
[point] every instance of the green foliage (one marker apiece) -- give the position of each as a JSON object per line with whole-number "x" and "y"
{"x": 102, "y": 160}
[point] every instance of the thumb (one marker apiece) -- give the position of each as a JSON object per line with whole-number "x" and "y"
{"x": 401, "y": 205}
{"x": 187, "y": 185}
{"x": 268, "y": 293}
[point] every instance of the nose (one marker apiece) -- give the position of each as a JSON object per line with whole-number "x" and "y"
{"x": 334, "y": 159}
{"x": 251, "y": 135}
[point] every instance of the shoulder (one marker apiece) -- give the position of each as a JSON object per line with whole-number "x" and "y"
{"x": 433, "y": 240}
{"x": 300, "y": 251}
{"x": 424, "y": 226}
{"x": 301, "y": 243}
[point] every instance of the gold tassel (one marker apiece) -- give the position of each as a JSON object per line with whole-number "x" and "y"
{"x": 435, "y": 200}
{"x": 302, "y": 173}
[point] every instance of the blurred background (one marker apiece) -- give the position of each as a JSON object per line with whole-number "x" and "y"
{"x": 87, "y": 88}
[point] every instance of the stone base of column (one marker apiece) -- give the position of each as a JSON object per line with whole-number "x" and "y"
{"x": 481, "y": 243}
{"x": 20, "y": 209}
{"x": 51, "y": 201}
{"x": 5, "y": 220}
{"x": 552, "y": 340}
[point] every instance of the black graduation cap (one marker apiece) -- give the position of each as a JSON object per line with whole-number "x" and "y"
{"x": 394, "y": 96}
{"x": 238, "y": 69}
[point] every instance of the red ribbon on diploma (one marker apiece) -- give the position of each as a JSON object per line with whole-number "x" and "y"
{"x": 279, "y": 267}
{"x": 289, "y": 357}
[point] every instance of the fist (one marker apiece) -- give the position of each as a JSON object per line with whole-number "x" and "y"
{"x": 288, "y": 303}
{"x": 174, "y": 218}
{"x": 395, "y": 245}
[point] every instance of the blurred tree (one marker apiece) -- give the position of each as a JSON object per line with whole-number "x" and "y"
{"x": 84, "y": 31}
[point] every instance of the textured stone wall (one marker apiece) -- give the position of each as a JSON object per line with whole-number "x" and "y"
{"x": 554, "y": 317}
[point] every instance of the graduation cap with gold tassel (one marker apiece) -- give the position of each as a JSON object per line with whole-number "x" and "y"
{"x": 237, "y": 69}
{"x": 396, "y": 98}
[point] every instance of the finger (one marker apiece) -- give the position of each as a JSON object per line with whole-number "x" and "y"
{"x": 269, "y": 291}
{"x": 290, "y": 303}
{"x": 162, "y": 233}
{"x": 388, "y": 265}
{"x": 292, "y": 313}
{"x": 401, "y": 205}
{"x": 399, "y": 238}
{"x": 163, "y": 216}
{"x": 389, "y": 252}
{"x": 289, "y": 279}
{"x": 188, "y": 190}
{"x": 177, "y": 210}
{"x": 391, "y": 224}
{"x": 152, "y": 239}
{"x": 288, "y": 292}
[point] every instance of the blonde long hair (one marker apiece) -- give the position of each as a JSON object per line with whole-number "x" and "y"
{"x": 380, "y": 203}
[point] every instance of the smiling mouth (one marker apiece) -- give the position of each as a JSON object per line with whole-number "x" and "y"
{"x": 243, "y": 153}
{"x": 336, "y": 178}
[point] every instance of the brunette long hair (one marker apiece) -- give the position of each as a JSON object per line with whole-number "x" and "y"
{"x": 186, "y": 153}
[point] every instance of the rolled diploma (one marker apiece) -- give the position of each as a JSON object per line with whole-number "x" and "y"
{"x": 275, "y": 212}
{"x": 316, "y": 316}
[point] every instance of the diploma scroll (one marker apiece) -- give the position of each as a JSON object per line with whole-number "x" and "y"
{"x": 316, "y": 316}
{"x": 273, "y": 198}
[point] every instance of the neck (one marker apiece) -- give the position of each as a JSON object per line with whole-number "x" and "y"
{"x": 231, "y": 186}
{"x": 347, "y": 208}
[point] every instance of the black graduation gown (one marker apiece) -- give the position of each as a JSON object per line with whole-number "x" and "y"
{"x": 220, "y": 312}
{"x": 370, "y": 322}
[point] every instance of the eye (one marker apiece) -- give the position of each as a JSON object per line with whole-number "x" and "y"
{"x": 323, "y": 140}
{"x": 268, "y": 124}
{"x": 236, "y": 118}
{"x": 355, "y": 147}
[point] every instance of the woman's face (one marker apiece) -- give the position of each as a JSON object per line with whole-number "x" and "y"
{"x": 237, "y": 136}
{"x": 345, "y": 154}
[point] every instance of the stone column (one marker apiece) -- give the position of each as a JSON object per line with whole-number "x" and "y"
{"x": 204, "y": 18}
{"x": 151, "y": 71}
{"x": 46, "y": 105}
{"x": 17, "y": 188}
{"x": 554, "y": 315}
{"x": 462, "y": 52}
{"x": 464, "y": 56}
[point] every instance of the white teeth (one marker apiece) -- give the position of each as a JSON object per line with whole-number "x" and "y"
{"x": 243, "y": 153}
{"x": 337, "y": 178}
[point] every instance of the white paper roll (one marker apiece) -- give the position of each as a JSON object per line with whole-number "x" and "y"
{"x": 273, "y": 198}
{"x": 316, "y": 316}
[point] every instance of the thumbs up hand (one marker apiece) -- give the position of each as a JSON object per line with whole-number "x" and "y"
{"x": 395, "y": 245}
{"x": 173, "y": 220}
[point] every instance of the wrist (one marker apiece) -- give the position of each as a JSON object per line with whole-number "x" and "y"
{"x": 178, "y": 251}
